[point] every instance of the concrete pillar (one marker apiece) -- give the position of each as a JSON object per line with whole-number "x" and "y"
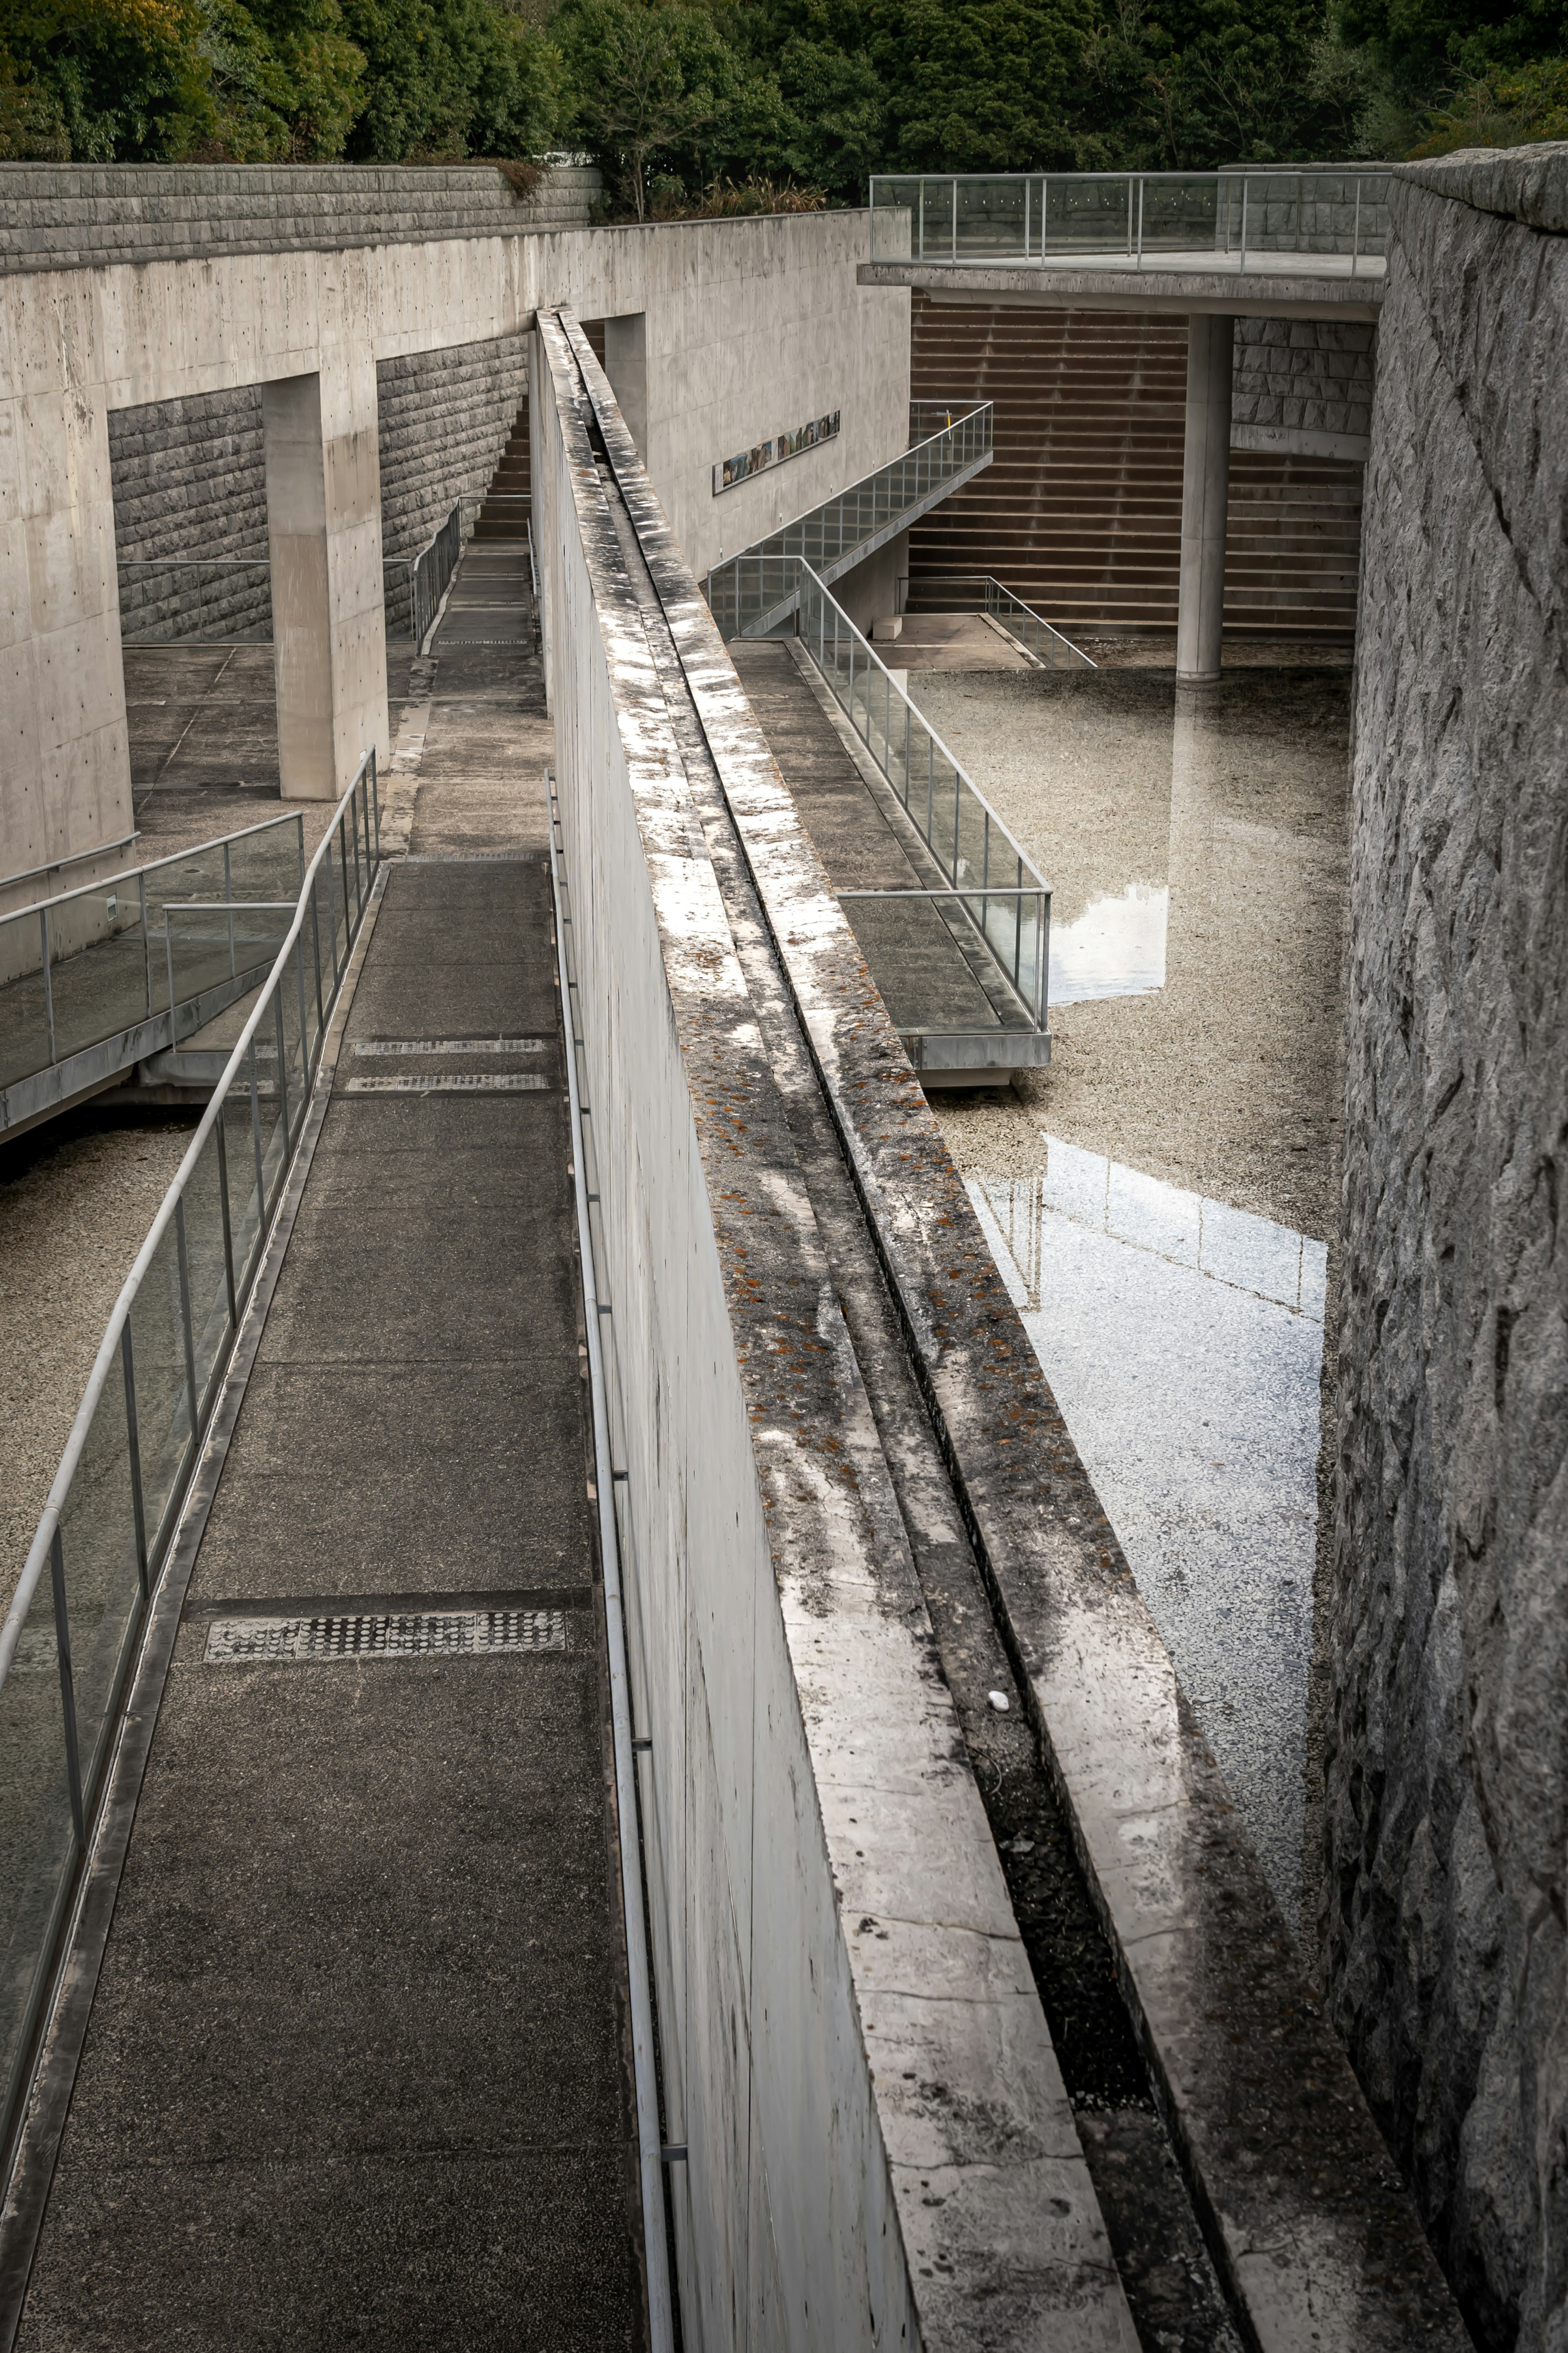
{"x": 1205, "y": 492}
{"x": 65, "y": 787}
{"x": 323, "y": 529}
{"x": 625, "y": 364}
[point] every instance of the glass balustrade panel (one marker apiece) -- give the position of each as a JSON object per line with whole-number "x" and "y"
{"x": 102, "y": 1574}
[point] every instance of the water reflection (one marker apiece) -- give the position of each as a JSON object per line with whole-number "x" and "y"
{"x": 1115, "y": 948}
{"x": 1184, "y": 1341}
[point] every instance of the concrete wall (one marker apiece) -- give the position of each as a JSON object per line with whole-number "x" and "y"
{"x": 746, "y": 318}
{"x": 880, "y": 2147}
{"x": 1304, "y": 386}
{"x": 1446, "y": 1935}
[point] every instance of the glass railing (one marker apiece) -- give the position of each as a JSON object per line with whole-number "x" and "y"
{"x": 81, "y": 1601}
{"x": 984, "y": 891}
{"x": 981, "y": 591}
{"x": 89, "y": 965}
{"x": 1231, "y": 220}
{"x": 756, "y": 591}
{"x": 228, "y": 600}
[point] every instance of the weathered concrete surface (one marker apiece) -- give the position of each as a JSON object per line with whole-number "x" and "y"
{"x": 1446, "y": 1954}
{"x": 746, "y": 318}
{"x": 1311, "y": 2228}
{"x": 880, "y": 2148}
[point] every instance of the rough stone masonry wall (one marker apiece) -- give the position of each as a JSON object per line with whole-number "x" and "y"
{"x": 190, "y": 480}
{"x": 1446, "y": 1927}
{"x": 1303, "y": 386}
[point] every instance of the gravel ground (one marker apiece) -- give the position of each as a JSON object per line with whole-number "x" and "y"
{"x": 76, "y": 1200}
{"x": 1228, "y": 1079}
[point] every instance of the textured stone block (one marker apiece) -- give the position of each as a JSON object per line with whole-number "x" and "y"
{"x": 1446, "y": 1886}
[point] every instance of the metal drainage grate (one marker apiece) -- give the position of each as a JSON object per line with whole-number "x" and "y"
{"x": 457, "y": 1083}
{"x": 451, "y": 1046}
{"x": 467, "y": 1633}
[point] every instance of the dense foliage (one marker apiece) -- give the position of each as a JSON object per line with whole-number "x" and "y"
{"x": 710, "y": 104}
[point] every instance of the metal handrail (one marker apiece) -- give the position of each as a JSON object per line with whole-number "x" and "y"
{"x": 999, "y": 895}
{"x": 38, "y": 967}
{"x": 840, "y": 531}
{"x": 1336, "y": 213}
{"x": 137, "y": 1464}
{"x": 1054, "y": 651}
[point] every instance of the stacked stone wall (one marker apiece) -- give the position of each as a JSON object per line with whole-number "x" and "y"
{"x": 1445, "y": 1883}
{"x": 190, "y": 482}
{"x": 1304, "y": 386}
{"x": 79, "y": 217}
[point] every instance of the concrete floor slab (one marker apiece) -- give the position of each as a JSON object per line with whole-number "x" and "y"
{"x": 357, "y": 2069}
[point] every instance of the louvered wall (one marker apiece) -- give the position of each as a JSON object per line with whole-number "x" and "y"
{"x": 1079, "y": 513}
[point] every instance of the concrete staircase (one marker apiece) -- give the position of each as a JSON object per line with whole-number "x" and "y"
{"x": 500, "y": 517}
{"x": 1079, "y": 513}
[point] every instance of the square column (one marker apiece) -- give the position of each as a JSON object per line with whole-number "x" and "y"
{"x": 1205, "y": 494}
{"x": 323, "y": 529}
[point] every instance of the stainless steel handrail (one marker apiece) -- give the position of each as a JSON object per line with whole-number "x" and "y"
{"x": 837, "y": 532}
{"x": 1020, "y": 620}
{"x": 1024, "y": 970}
{"x": 139, "y": 1469}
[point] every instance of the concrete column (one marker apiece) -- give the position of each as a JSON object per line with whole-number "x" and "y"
{"x": 323, "y": 529}
{"x": 625, "y": 364}
{"x": 1205, "y": 492}
{"x": 65, "y": 786}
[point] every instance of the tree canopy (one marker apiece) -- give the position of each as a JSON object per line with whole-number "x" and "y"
{"x": 703, "y": 103}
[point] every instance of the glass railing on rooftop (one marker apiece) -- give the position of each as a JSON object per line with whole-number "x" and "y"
{"x": 756, "y": 590}
{"x": 1331, "y": 220}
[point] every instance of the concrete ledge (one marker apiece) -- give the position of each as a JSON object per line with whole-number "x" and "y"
{"x": 879, "y": 2145}
{"x": 1252, "y": 295}
{"x": 1523, "y": 184}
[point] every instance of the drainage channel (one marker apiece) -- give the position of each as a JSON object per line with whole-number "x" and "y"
{"x": 1170, "y": 2282}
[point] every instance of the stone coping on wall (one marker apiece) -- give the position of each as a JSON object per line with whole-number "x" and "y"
{"x": 76, "y": 216}
{"x": 1525, "y": 183}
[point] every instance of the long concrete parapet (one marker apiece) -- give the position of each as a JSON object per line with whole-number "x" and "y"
{"x": 813, "y": 1781}
{"x": 76, "y": 216}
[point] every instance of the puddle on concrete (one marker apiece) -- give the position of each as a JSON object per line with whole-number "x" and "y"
{"x": 1115, "y": 948}
{"x": 1184, "y": 1342}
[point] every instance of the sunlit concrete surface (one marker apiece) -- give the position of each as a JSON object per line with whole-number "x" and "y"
{"x": 1184, "y": 1341}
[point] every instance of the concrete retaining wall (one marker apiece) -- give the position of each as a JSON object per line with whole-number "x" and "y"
{"x": 190, "y": 478}
{"x": 75, "y": 217}
{"x": 743, "y": 318}
{"x": 880, "y": 2148}
{"x": 1446, "y": 1935}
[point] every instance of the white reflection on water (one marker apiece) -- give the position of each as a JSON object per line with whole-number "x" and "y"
{"x": 1115, "y": 948}
{"x": 1184, "y": 1342}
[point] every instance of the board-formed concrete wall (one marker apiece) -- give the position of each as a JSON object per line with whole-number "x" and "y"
{"x": 1445, "y": 1934}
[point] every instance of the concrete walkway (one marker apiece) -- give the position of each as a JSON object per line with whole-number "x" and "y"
{"x": 357, "y": 2069}
{"x": 929, "y": 977}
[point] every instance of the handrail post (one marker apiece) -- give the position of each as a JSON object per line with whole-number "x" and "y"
{"x": 1355, "y": 231}
{"x": 48, "y": 981}
{"x": 182, "y": 1258}
{"x": 228, "y": 1230}
{"x": 68, "y": 1690}
{"x": 1242, "y": 264}
{"x": 133, "y": 1448}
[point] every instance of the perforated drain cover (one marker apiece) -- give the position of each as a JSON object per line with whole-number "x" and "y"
{"x": 451, "y": 1046}
{"x": 456, "y": 1082}
{"x": 476, "y": 1633}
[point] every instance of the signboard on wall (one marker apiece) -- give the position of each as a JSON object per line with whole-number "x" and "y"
{"x": 764, "y": 454}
